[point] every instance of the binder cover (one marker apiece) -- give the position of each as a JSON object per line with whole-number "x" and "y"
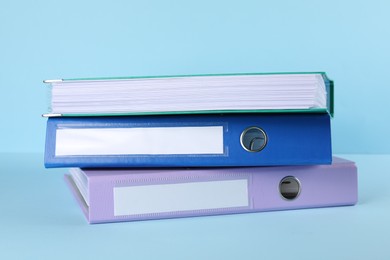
{"x": 189, "y": 141}
{"x": 114, "y": 195}
{"x": 187, "y": 94}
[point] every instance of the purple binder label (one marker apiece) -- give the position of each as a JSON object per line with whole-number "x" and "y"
{"x": 176, "y": 197}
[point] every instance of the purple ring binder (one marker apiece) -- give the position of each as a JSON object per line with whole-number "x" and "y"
{"x": 114, "y": 195}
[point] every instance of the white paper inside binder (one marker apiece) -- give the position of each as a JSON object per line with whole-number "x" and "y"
{"x": 188, "y": 93}
{"x": 139, "y": 141}
{"x": 163, "y": 198}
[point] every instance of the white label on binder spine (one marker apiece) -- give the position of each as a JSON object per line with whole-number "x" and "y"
{"x": 163, "y": 198}
{"x": 139, "y": 141}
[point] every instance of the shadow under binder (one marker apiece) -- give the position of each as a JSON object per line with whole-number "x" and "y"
{"x": 189, "y": 140}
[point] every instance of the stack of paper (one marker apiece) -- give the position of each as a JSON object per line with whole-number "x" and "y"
{"x": 200, "y": 93}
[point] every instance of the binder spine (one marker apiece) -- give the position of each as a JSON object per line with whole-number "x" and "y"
{"x": 171, "y": 193}
{"x": 237, "y": 140}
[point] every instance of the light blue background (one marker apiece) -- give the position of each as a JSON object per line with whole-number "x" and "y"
{"x": 64, "y": 39}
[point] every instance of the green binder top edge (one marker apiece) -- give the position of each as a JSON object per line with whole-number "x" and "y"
{"x": 193, "y": 75}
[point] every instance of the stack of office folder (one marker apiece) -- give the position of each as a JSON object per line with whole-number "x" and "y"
{"x": 178, "y": 146}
